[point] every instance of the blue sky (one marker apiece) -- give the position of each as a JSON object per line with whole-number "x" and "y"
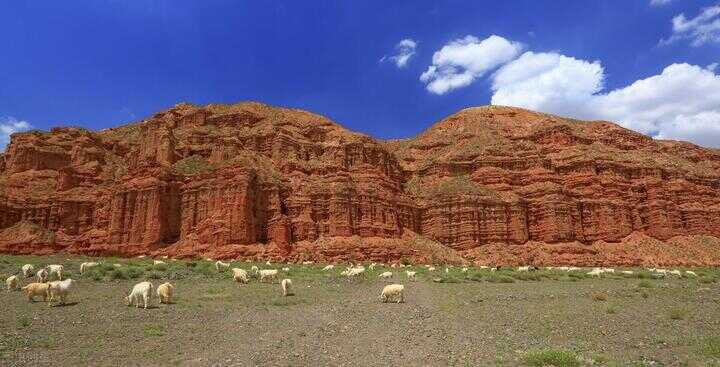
{"x": 98, "y": 64}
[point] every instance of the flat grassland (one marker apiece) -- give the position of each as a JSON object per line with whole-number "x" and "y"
{"x": 473, "y": 318}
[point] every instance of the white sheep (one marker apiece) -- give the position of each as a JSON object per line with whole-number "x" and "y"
{"x": 287, "y": 270}
{"x": 393, "y": 265}
{"x": 432, "y": 268}
{"x": 55, "y": 269}
{"x": 690, "y": 272}
{"x": 393, "y": 291}
{"x": 484, "y": 267}
{"x": 42, "y": 275}
{"x": 627, "y": 272}
{"x": 267, "y": 263}
{"x": 447, "y": 270}
{"x": 60, "y": 289}
{"x": 329, "y": 267}
{"x": 386, "y": 275}
{"x": 12, "y": 283}
{"x": 351, "y": 272}
{"x": 221, "y": 266}
{"x": 304, "y": 262}
{"x": 411, "y": 275}
{"x": 27, "y": 270}
{"x": 286, "y": 285}
{"x": 158, "y": 262}
{"x": 464, "y": 270}
{"x": 87, "y": 265}
{"x": 523, "y": 268}
{"x": 675, "y": 272}
{"x": 36, "y": 289}
{"x": 268, "y": 274}
{"x": 372, "y": 266}
{"x": 140, "y": 292}
{"x": 117, "y": 265}
{"x": 240, "y": 275}
{"x": 165, "y": 292}
{"x": 595, "y": 272}
{"x": 254, "y": 269}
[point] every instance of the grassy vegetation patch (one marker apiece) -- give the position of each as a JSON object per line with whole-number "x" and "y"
{"x": 710, "y": 347}
{"x": 193, "y": 165}
{"x": 551, "y": 357}
{"x": 152, "y": 330}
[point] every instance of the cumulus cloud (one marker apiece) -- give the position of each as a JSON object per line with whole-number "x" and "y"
{"x": 660, "y": 2}
{"x": 462, "y": 61}
{"x": 704, "y": 28}
{"x": 8, "y": 126}
{"x": 547, "y": 82}
{"x": 404, "y": 51}
{"x": 682, "y": 102}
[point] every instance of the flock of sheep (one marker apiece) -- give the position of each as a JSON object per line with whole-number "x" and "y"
{"x": 140, "y": 295}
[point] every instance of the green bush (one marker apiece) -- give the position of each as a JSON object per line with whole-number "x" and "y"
{"x": 495, "y": 278}
{"x": 551, "y": 357}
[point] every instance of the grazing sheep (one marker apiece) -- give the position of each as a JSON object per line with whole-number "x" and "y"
{"x": 27, "y": 270}
{"x": 608, "y": 270}
{"x": 140, "y": 292}
{"x": 351, "y": 272}
{"x": 268, "y": 274}
{"x": 329, "y": 267}
{"x": 523, "y": 268}
{"x": 627, "y": 272}
{"x": 87, "y": 265}
{"x": 286, "y": 269}
{"x": 117, "y": 265}
{"x": 447, "y": 271}
{"x": 141, "y": 257}
{"x": 690, "y": 272}
{"x": 411, "y": 275}
{"x": 464, "y": 270}
{"x": 595, "y": 272}
{"x": 393, "y": 291}
{"x": 55, "y": 269}
{"x": 286, "y": 285}
{"x": 304, "y": 263}
{"x": 60, "y": 289}
{"x": 165, "y": 292}
{"x": 42, "y": 275}
{"x": 386, "y": 275}
{"x": 12, "y": 283}
{"x": 221, "y": 266}
{"x": 158, "y": 262}
{"x": 240, "y": 275}
{"x": 432, "y": 268}
{"x": 372, "y": 266}
{"x": 484, "y": 267}
{"x": 254, "y": 269}
{"x": 36, "y": 289}
{"x": 675, "y": 272}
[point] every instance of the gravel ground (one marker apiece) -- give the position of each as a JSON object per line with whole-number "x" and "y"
{"x": 333, "y": 321}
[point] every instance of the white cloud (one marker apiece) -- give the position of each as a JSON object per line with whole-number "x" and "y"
{"x": 704, "y": 28}
{"x": 683, "y": 102}
{"x": 660, "y": 2}
{"x": 547, "y": 81}
{"x": 8, "y": 126}
{"x": 460, "y": 62}
{"x": 405, "y": 50}
{"x": 712, "y": 66}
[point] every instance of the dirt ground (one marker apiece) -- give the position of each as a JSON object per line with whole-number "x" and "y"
{"x": 331, "y": 321}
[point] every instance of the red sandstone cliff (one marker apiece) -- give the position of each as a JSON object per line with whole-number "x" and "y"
{"x": 490, "y": 184}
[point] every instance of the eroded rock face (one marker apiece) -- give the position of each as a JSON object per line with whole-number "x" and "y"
{"x": 250, "y": 180}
